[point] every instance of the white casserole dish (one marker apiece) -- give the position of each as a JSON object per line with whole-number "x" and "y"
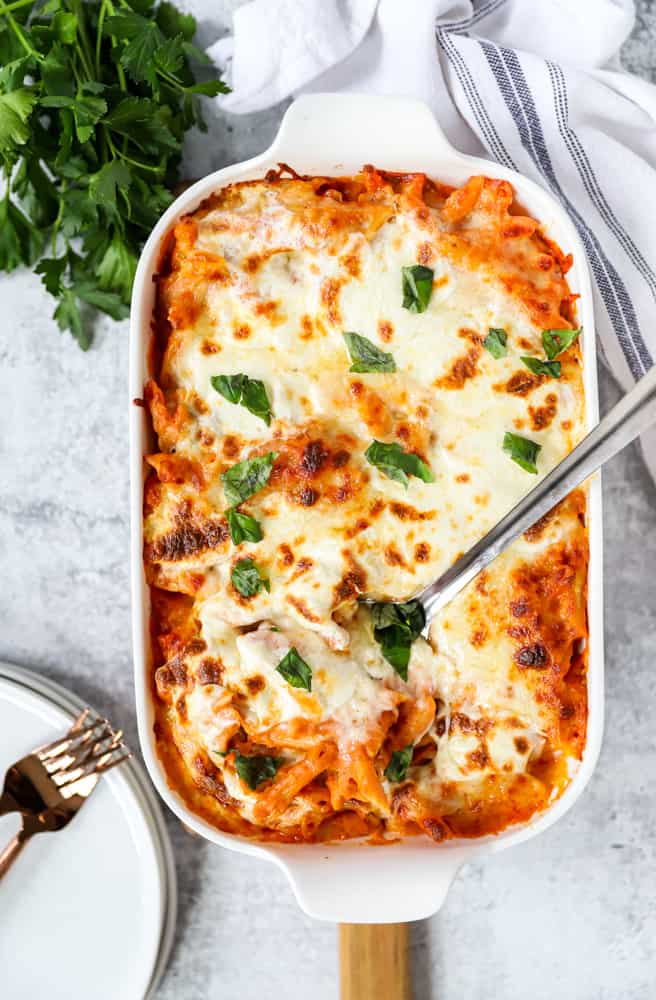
{"x": 333, "y": 134}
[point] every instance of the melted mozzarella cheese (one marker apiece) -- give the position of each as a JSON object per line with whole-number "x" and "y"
{"x": 294, "y": 288}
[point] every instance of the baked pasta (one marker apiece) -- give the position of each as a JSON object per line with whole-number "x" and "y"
{"x": 353, "y": 380}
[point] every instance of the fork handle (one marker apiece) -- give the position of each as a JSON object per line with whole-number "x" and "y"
{"x": 11, "y": 852}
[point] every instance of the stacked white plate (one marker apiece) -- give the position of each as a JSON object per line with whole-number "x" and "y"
{"x": 88, "y": 911}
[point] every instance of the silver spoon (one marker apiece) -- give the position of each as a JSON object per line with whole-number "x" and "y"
{"x": 627, "y": 419}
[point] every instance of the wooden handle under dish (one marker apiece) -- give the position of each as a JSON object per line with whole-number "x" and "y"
{"x": 373, "y": 961}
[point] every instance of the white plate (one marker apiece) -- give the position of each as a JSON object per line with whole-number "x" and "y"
{"x": 86, "y": 912}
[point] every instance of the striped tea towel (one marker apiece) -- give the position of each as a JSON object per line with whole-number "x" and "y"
{"x": 534, "y": 84}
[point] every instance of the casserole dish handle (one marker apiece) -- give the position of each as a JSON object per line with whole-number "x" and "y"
{"x": 399, "y": 129}
{"x": 358, "y": 884}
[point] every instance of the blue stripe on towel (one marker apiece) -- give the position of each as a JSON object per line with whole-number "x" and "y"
{"x": 517, "y": 96}
{"x": 487, "y": 128}
{"x": 589, "y": 179}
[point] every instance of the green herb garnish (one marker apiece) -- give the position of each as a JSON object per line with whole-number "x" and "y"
{"x": 540, "y": 367}
{"x": 396, "y": 626}
{"x": 250, "y": 392}
{"x": 366, "y": 357}
{"x": 243, "y": 527}
{"x": 496, "y": 342}
{"x": 399, "y": 764}
{"x": 95, "y": 100}
{"x": 245, "y": 478}
{"x": 397, "y": 464}
{"x": 417, "y": 285}
{"x": 255, "y": 769}
{"x": 522, "y": 451}
{"x": 557, "y": 341}
{"x": 247, "y": 578}
{"x": 295, "y": 670}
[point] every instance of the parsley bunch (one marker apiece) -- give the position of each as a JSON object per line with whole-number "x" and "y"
{"x": 95, "y": 99}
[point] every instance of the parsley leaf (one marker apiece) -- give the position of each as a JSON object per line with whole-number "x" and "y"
{"x": 245, "y": 478}
{"x": 15, "y": 110}
{"x": 399, "y": 763}
{"x": 144, "y": 122}
{"x": 557, "y": 341}
{"x": 522, "y": 451}
{"x": 247, "y": 578}
{"x": 417, "y": 286}
{"x": 68, "y": 317}
{"x": 397, "y": 464}
{"x": 366, "y": 357}
{"x": 143, "y": 38}
{"x": 540, "y": 367}
{"x": 20, "y": 241}
{"x": 250, "y": 392}
{"x": 51, "y": 272}
{"x": 256, "y": 768}
{"x": 243, "y": 527}
{"x": 295, "y": 670}
{"x": 117, "y": 266}
{"x": 95, "y": 99}
{"x": 396, "y": 626}
{"x": 495, "y": 342}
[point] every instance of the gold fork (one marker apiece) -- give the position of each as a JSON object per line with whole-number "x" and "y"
{"x": 50, "y": 785}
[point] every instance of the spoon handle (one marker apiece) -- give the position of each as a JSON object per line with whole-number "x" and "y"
{"x": 627, "y": 419}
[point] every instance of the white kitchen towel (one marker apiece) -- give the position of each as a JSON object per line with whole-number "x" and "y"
{"x": 534, "y": 84}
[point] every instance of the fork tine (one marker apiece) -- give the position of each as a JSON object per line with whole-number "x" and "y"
{"x": 96, "y": 766}
{"x": 78, "y": 749}
{"x": 75, "y": 735}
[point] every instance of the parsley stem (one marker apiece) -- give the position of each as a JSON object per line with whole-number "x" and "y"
{"x": 17, "y": 5}
{"x": 56, "y": 224}
{"x": 13, "y": 24}
{"x": 135, "y": 163}
{"x": 83, "y": 50}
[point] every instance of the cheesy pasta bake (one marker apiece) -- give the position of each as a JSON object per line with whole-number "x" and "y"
{"x": 353, "y": 380}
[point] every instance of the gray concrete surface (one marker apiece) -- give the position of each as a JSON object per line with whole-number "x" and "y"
{"x": 571, "y": 914}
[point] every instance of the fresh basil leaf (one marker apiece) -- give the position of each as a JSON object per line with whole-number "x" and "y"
{"x": 399, "y": 763}
{"x": 255, "y": 768}
{"x": 250, "y": 392}
{"x": 395, "y": 646}
{"x": 247, "y": 578}
{"x": 397, "y": 464}
{"x": 245, "y": 478}
{"x": 522, "y": 451}
{"x": 396, "y": 626}
{"x": 417, "y": 284}
{"x": 410, "y": 615}
{"x": 254, "y": 398}
{"x": 366, "y": 357}
{"x": 229, "y": 386}
{"x": 295, "y": 670}
{"x": 540, "y": 367}
{"x": 557, "y": 341}
{"x": 496, "y": 342}
{"x": 243, "y": 527}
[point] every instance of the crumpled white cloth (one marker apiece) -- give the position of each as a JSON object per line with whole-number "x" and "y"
{"x": 533, "y": 84}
